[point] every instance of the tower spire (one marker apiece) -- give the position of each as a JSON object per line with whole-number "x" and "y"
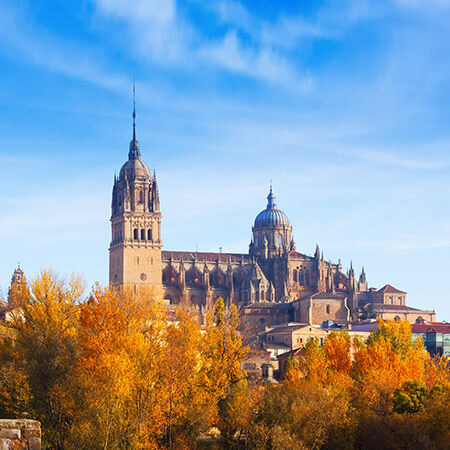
{"x": 134, "y": 110}
{"x": 134, "y": 152}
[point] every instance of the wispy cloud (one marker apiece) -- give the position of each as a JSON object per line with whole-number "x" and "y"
{"x": 167, "y": 37}
{"x": 30, "y": 45}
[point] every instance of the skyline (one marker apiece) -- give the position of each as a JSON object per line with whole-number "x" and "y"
{"x": 344, "y": 108}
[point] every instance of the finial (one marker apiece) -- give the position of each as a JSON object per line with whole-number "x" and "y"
{"x": 271, "y": 198}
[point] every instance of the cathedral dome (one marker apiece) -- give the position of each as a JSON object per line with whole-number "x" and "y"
{"x": 134, "y": 168}
{"x": 271, "y": 216}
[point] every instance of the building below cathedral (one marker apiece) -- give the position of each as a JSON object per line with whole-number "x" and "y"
{"x": 272, "y": 284}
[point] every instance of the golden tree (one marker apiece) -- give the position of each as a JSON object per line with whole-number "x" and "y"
{"x": 40, "y": 342}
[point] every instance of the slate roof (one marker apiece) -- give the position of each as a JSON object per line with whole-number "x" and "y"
{"x": 204, "y": 256}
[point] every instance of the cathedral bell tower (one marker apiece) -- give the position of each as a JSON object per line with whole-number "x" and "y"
{"x": 135, "y": 250}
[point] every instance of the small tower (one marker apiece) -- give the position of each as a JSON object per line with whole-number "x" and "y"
{"x": 135, "y": 250}
{"x": 363, "y": 281}
{"x": 18, "y": 286}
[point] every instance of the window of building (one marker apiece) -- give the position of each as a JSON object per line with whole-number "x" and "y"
{"x": 262, "y": 296}
{"x": 142, "y": 235}
{"x": 300, "y": 277}
{"x": 141, "y": 197}
{"x": 307, "y": 277}
{"x": 135, "y": 234}
{"x": 149, "y": 234}
{"x": 280, "y": 240}
{"x": 294, "y": 277}
{"x": 328, "y": 309}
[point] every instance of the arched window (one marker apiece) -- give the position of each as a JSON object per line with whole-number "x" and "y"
{"x": 135, "y": 234}
{"x": 328, "y": 309}
{"x": 300, "y": 277}
{"x": 149, "y": 234}
{"x": 262, "y": 296}
{"x": 420, "y": 320}
{"x": 307, "y": 277}
{"x": 279, "y": 240}
{"x": 397, "y": 318}
{"x": 294, "y": 277}
{"x": 142, "y": 235}
{"x": 141, "y": 196}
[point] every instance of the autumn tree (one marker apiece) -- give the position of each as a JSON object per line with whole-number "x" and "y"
{"x": 121, "y": 334}
{"x": 40, "y": 345}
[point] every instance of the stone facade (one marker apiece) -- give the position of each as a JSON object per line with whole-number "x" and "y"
{"x": 18, "y": 434}
{"x": 273, "y": 272}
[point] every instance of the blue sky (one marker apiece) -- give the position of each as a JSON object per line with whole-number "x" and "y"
{"x": 345, "y": 105}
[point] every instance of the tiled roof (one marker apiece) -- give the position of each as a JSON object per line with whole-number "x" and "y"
{"x": 278, "y": 345}
{"x": 431, "y": 328}
{"x": 388, "y": 289}
{"x": 324, "y": 295}
{"x": 378, "y": 306}
{"x": 296, "y": 254}
{"x": 295, "y": 352}
{"x": 329, "y": 295}
{"x": 291, "y": 327}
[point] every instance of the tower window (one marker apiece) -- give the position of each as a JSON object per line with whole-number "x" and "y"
{"x": 328, "y": 309}
{"x": 306, "y": 277}
{"x": 300, "y": 277}
{"x": 280, "y": 240}
{"x": 142, "y": 235}
{"x": 295, "y": 276}
{"x": 149, "y": 234}
{"x": 141, "y": 197}
{"x": 135, "y": 234}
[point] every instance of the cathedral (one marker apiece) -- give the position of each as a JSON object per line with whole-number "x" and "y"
{"x": 271, "y": 284}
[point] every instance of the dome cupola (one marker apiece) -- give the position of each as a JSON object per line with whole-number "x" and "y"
{"x": 272, "y": 232}
{"x": 271, "y": 216}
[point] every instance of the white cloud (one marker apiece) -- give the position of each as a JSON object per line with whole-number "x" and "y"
{"x": 30, "y": 45}
{"x": 157, "y": 11}
{"x": 232, "y": 55}
{"x": 166, "y": 37}
{"x": 423, "y": 4}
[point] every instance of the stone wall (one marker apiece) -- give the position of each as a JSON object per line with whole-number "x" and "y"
{"x": 20, "y": 434}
